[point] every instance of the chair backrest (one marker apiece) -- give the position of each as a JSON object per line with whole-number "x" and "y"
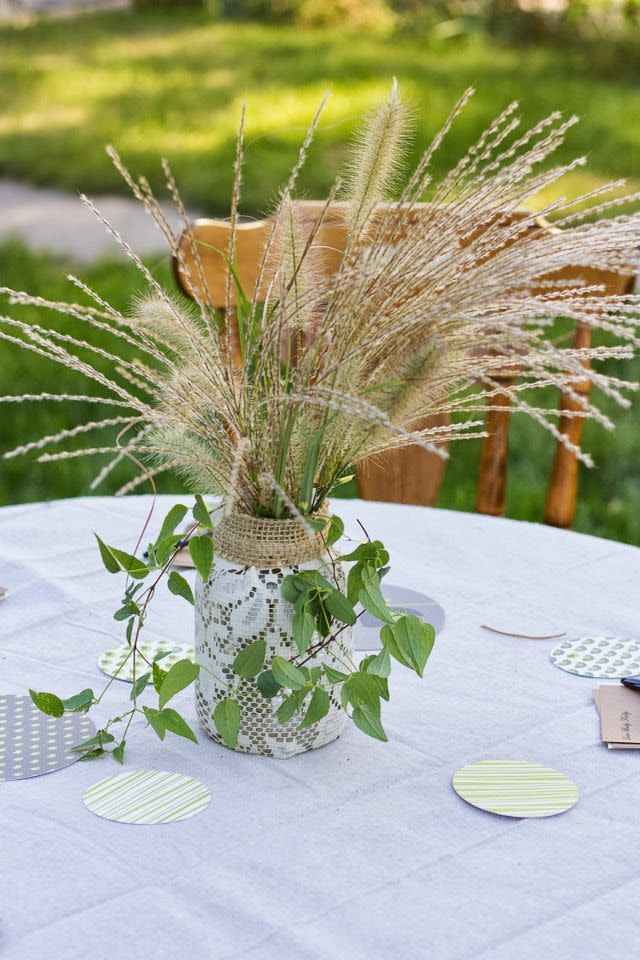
{"x": 409, "y": 475}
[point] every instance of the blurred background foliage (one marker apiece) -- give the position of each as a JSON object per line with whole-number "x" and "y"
{"x": 170, "y": 82}
{"x": 167, "y": 78}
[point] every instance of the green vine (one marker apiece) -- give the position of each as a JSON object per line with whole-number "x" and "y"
{"x": 322, "y": 611}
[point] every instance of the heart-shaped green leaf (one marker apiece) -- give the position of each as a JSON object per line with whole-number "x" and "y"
{"x": 370, "y": 595}
{"x": 179, "y": 586}
{"x": 175, "y": 723}
{"x": 287, "y": 674}
{"x": 155, "y": 721}
{"x": 108, "y": 558}
{"x": 201, "y": 513}
{"x": 268, "y": 685}
{"x": 227, "y": 716}
{"x": 380, "y": 664}
{"x": 362, "y": 688}
{"x": 139, "y": 685}
{"x": 158, "y": 675}
{"x": 80, "y": 702}
{"x": 340, "y": 608}
{"x": 302, "y": 628}
{"x": 334, "y": 676}
{"x": 201, "y": 552}
{"x": 335, "y": 531}
{"x": 409, "y": 641}
{"x": 248, "y": 663}
{"x": 48, "y": 703}
{"x": 317, "y": 709}
{"x": 175, "y": 516}
{"x": 135, "y": 567}
{"x": 369, "y": 722}
{"x": 286, "y": 710}
{"x": 181, "y": 674}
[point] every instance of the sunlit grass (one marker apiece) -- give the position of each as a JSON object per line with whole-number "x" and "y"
{"x": 173, "y": 85}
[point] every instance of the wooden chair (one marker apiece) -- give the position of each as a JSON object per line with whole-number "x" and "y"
{"x": 409, "y": 475}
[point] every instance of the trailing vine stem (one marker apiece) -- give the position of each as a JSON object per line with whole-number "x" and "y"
{"x": 300, "y": 685}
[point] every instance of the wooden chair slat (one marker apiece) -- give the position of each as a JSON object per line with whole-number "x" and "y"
{"x": 492, "y": 474}
{"x": 407, "y": 475}
{"x": 562, "y": 493}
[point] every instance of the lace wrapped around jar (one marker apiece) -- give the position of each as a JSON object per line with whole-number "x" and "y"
{"x": 242, "y": 602}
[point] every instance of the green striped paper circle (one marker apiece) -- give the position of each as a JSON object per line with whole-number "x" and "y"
{"x": 515, "y": 788}
{"x": 147, "y": 796}
{"x": 111, "y": 661}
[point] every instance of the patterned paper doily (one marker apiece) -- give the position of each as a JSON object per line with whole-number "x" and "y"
{"x": 147, "y": 796}
{"x": 110, "y": 662}
{"x": 602, "y": 657}
{"x": 515, "y": 788}
{"x": 32, "y": 744}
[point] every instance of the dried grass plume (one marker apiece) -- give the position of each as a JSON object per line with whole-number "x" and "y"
{"x": 421, "y": 317}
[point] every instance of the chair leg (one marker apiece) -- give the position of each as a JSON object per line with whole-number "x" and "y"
{"x": 492, "y": 476}
{"x": 562, "y": 495}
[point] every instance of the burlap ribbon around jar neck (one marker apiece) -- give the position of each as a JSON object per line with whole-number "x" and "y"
{"x": 259, "y": 542}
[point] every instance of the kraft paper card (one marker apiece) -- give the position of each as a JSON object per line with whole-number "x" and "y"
{"x": 626, "y": 745}
{"x": 619, "y": 713}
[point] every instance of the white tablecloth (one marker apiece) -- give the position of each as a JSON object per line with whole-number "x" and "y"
{"x": 361, "y": 850}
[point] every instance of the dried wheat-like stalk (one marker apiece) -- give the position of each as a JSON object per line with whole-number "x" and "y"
{"x": 421, "y": 318}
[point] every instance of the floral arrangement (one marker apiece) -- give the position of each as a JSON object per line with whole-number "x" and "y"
{"x": 271, "y": 411}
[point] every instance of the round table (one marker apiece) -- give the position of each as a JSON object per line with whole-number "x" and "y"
{"x": 360, "y": 850}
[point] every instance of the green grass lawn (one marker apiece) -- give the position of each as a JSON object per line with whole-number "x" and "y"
{"x": 161, "y": 85}
{"x": 609, "y": 502}
{"x": 172, "y": 85}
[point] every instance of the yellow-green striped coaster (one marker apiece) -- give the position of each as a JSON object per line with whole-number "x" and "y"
{"x": 515, "y": 788}
{"x": 147, "y": 796}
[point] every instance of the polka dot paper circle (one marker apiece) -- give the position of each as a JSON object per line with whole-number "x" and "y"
{"x": 32, "y": 744}
{"x": 515, "y": 788}
{"x": 147, "y": 796}
{"x": 111, "y": 661}
{"x": 603, "y": 657}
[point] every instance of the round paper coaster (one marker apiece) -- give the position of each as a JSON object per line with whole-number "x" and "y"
{"x": 604, "y": 657}
{"x": 367, "y": 630}
{"x": 32, "y": 744}
{"x": 147, "y": 796}
{"x": 515, "y": 788}
{"x": 111, "y": 660}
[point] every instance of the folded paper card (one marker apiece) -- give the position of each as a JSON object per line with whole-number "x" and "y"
{"x": 613, "y": 746}
{"x": 619, "y": 710}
